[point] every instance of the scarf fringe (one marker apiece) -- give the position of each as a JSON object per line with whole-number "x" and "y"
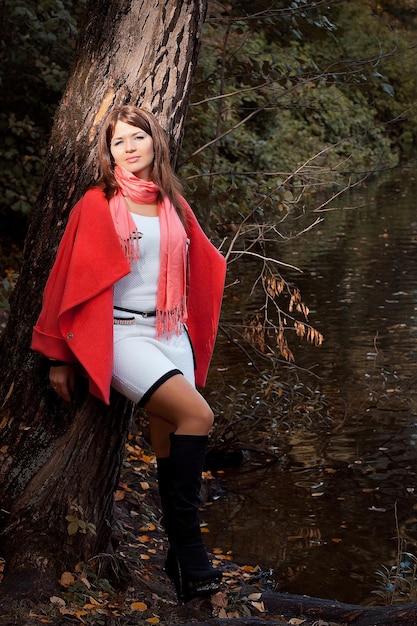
{"x": 130, "y": 247}
{"x": 171, "y": 322}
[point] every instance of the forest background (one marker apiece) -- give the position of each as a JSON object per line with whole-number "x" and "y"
{"x": 327, "y": 93}
{"x": 291, "y": 106}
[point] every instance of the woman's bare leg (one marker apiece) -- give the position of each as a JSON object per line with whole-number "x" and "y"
{"x": 160, "y": 430}
{"x": 176, "y": 406}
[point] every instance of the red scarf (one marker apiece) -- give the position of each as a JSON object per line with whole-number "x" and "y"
{"x": 171, "y": 309}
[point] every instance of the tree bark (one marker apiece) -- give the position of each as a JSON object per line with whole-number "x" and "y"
{"x": 59, "y": 460}
{"x": 317, "y": 609}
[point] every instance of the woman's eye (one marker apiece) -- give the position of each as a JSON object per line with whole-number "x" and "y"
{"x": 139, "y": 137}
{"x": 117, "y": 143}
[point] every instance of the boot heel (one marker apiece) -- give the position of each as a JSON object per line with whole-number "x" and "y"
{"x": 187, "y": 589}
{"x": 174, "y": 572}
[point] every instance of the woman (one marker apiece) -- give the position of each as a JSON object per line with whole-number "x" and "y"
{"x": 132, "y": 268}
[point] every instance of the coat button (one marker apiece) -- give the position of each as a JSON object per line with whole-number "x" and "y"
{"x": 70, "y": 336}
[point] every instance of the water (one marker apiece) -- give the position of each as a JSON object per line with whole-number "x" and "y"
{"x": 328, "y": 517}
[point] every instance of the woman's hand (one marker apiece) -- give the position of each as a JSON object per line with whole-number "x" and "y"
{"x": 62, "y": 379}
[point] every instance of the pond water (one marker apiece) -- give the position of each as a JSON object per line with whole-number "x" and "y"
{"x": 331, "y": 515}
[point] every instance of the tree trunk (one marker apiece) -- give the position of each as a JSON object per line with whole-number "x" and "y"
{"x": 59, "y": 460}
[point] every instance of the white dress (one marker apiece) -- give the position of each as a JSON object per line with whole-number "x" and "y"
{"x": 141, "y": 361}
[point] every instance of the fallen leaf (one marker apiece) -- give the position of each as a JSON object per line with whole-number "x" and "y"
{"x": 138, "y": 606}
{"x": 294, "y": 621}
{"x": 255, "y": 596}
{"x": 219, "y": 599}
{"x": 67, "y": 579}
{"x": 259, "y": 605}
{"x": 249, "y": 568}
{"x": 57, "y": 600}
{"x": 86, "y": 582}
{"x": 93, "y": 601}
{"x": 9, "y": 393}
{"x": 153, "y": 620}
{"x": 119, "y": 494}
{"x": 144, "y": 485}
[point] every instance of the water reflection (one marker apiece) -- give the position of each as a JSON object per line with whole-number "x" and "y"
{"x": 328, "y": 517}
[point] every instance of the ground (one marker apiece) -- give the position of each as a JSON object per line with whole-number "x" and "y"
{"x": 144, "y": 595}
{"x": 88, "y": 597}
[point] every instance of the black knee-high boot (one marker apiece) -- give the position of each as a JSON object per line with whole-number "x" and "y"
{"x": 188, "y": 564}
{"x": 163, "y": 467}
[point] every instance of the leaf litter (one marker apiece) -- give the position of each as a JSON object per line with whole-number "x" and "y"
{"x": 88, "y": 598}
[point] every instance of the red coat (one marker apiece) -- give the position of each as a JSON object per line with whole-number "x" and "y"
{"x": 76, "y": 321}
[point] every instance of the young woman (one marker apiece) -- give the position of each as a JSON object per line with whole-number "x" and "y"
{"x": 133, "y": 301}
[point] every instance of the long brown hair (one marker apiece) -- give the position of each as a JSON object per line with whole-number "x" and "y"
{"x": 162, "y": 173}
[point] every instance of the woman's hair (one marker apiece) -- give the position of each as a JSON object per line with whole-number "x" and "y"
{"x": 162, "y": 173}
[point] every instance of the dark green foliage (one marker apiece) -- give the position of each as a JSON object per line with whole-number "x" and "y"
{"x": 37, "y": 40}
{"x": 297, "y": 97}
{"x": 287, "y": 95}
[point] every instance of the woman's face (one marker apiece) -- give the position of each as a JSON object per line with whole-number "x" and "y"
{"x": 132, "y": 149}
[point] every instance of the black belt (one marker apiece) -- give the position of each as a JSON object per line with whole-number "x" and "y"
{"x": 143, "y": 313}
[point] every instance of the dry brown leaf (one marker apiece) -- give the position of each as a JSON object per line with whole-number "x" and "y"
{"x": 67, "y": 579}
{"x": 138, "y": 606}
{"x": 9, "y": 393}
{"x": 259, "y": 605}
{"x": 94, "y": 602}
{"x": 219, "y": 599}
{"x": 249, "y": 568}
{"x": 255, "y": 596}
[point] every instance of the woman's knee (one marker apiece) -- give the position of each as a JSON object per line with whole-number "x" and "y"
{"x": 207, "y": 418}
{"x": 198, "y": 422}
